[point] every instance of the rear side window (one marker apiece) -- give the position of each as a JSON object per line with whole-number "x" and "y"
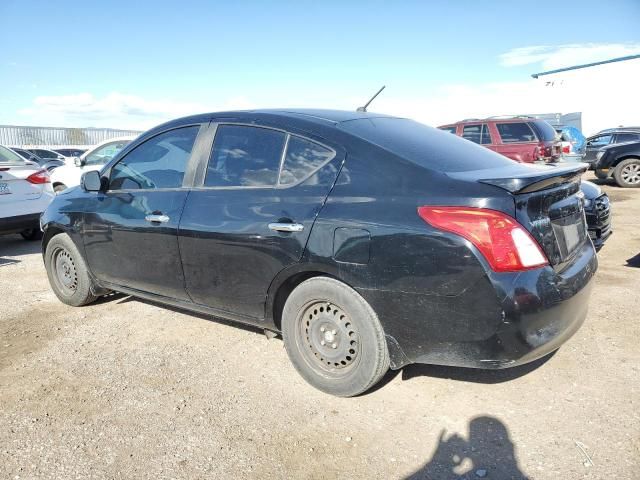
{"x": 600, "y": 141}
{"x": 477, "y": 134}
{"x": 160, "y": 162}
{"x": 627, "y": 137}
{"x": 302, "y": 158}
{"x": 244, "y": 156}
{"x": 516, "y": 132}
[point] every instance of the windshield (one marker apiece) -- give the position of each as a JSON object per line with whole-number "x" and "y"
{"x": 8, "y": 157}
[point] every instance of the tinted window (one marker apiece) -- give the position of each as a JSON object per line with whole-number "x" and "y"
{"x": 425, "y": 146}
{"x": 303, "y": 157}
{"x": 105, "y": 153}
{"x": 600, "y": 141}
{"x": 516, "y": 132}
{"x": 159, "y": 162}
{"x": 544, "y": 131}
{"x": 244, "y": 156}
{"x": 45, "y": 154}
{"x": 477, "y": 134}
{"x": 449, "y": 129}
{"x": 627, "y": 137}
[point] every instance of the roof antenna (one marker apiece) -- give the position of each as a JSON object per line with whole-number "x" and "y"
{"x": 364, "y": 109}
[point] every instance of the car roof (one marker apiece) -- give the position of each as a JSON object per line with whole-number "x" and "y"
{"x": 501, "y": 119}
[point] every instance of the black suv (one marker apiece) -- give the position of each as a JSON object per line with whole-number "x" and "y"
{"x": 620, "y": 162}
{"x": 368, "y": 241}
{"x": 607, "y": 137}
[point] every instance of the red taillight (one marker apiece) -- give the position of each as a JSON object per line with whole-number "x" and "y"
{"x": 41, "y": 176}
{"x": 566, "y": 149}
{"x": 505, "y": 244}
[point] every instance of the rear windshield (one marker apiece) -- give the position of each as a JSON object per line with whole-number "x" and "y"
{"x": 425, "y": 146}
{"x": 545, "y": 132}
{"x": 8, "y": 157}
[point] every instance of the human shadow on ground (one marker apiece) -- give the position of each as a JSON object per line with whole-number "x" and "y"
{"x": 633, "y": 261}
{"x": 487, "y": 452}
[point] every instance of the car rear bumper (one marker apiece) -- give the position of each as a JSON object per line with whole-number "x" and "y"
{"x": 19, "y": 223}
{"x": 514, "y": 319}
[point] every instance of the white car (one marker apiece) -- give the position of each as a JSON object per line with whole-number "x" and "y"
{"x": 25, "y": 192}
{"x": 68, "y": 176}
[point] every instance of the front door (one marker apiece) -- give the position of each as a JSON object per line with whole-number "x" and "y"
{"x": 594, "y": 144}
{"x": 130, "y": 230}
{"x": 252, "y": 215}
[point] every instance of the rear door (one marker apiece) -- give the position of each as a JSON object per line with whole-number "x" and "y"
{"x": 130, "y": 230}
{"x": 478, "y": 133}
{"x": 251, "y": 214}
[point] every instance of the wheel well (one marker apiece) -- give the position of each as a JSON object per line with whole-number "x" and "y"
{"x": 285, "y": 290}
{"x": 622, "y": 159}
{"x": 48, "y": 235}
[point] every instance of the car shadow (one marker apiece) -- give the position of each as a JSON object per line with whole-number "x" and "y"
{"x": 487, "y": 451}
{"x": 633, "y": 261}
{"x": 16, "y": 246}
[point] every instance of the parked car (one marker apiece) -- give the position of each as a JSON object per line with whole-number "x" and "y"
{"x": 47, "y": 155}
{"x": 70, "y": 152}
{"x": 25, "y": 192}
{"x": 573, "y": 143}
{"x": 93, "y": 159}
{"x": 608, "y": 137}
{"x": 620, "y": 162}
{"x": 523, "y": 139}
{"x": 368, "y": 241}
{"x": 49, "y": 165}
{"x": 598, "y": 223}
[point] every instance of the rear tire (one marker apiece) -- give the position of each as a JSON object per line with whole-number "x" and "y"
{"x": 59, "y": 187}
{"x": 67, "y": 272}
{"x": 31, "y": 234}
{"x": 627, "y": 173}
{"x": 334, "y": 338}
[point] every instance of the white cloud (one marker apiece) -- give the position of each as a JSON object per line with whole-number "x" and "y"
{"x": 552, "y": 57}
{"x": 115, "y": 110}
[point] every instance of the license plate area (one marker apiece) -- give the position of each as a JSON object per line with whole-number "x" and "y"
{"x": 4, "y": 188}
{"x": 570, "y": 231}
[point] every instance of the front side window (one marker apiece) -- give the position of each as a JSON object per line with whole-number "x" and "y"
{"x": 245, "y": 156}
{"x": 160, "y": 162}
{"x": 516, "y": 132}
{"x": 104, "y": 154}
{"x": 477, "y": 134}
{"x": 302, "y": 158}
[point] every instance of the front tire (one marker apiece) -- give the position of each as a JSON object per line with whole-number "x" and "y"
{"x": 334, "y": 338}
{"x": 67, "y": 272}
{"x": 627, "y": 173}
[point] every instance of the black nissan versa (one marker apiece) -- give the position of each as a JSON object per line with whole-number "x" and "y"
{"x": 368, "y": 241}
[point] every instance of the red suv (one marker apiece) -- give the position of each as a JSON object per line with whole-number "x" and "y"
{"x": 523, "y": 139}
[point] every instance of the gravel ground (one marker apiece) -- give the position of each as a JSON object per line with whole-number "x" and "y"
{"x": 128, "y": 389}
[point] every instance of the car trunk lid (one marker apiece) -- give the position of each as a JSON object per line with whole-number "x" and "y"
{"x": 14, "y": 186}
{"x": 548, "y": 203}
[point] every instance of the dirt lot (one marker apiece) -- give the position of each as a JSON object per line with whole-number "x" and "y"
{"x": 128, "y": 389}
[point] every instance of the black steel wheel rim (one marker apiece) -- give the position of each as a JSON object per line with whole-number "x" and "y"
{"x": 65, "y": 271}
{"x": 328, "y": 339}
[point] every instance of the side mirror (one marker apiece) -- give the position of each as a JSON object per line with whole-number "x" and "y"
{"x": 91, "y": 181}
{"x": 77, "y": 161}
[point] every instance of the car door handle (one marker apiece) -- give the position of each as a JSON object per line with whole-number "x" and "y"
{"x": 157, "y": 218}
{"x": 286, "y": 227}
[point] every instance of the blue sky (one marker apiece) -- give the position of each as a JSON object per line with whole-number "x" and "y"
{"x": 95, "y": 63}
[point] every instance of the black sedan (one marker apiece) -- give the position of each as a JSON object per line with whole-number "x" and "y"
{"x": 367, "y": 241}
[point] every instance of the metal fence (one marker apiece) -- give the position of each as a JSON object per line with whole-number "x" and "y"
{"x": 17, "y": 136}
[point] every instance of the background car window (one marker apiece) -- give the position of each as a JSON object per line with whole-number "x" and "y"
{"x": 159, "y": 162}
{"x": 303, "y": 157}
{"x": 244, "y": 156}
{"x": 104, "y": 154}
{"x": 600, "y": 141}
{"x": 7, "y": 157}
{"x": 45, "y": 154}
{"x": 516, "y": 132}
{"x": 477, "y": 134}
{"x": 627, "y": 137}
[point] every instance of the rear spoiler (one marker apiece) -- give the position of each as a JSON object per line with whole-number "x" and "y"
{"x": 524, "y": 178}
